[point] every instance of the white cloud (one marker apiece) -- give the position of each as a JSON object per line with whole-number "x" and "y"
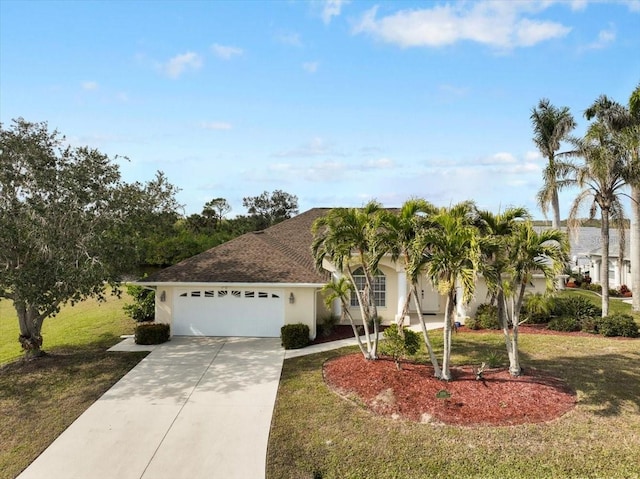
{"x": 181, "y": 63}
{"x": 216, "y": 125}
{"x": 499, "y": 159}
{"x": 292, "y": 39}
{"x": 310, "y": 67}
{"x": 605, "y": 38}
{"x": 379, "y": 164}
{"x": 532, "y": 156}
{"x": 89, "y": 85}
{"x": 316, "y": 147}
{"x": 226, "y": 52}
{"x": 634, "y": 5}
{"x": 501, "y": 25}
{"x": 578, "y": 5}
{"x": 332, "y": 8}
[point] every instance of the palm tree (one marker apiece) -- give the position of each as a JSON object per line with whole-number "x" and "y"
{"x": 347, "y": 237}
{"x": 601, "y": 179}
{"x": 528, "y": 252}
{"x": 625, "y": 125}
{"x": 399, "y": 233}
{"x": 497, "y": 239}
{"x": 551, "y": 126}
{"x": 340, "y": 290}
{"x": 450, "y": 254}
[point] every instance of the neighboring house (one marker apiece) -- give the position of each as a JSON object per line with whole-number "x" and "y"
{"x": 254, "y": 284}
{"x": 619, "y": 271}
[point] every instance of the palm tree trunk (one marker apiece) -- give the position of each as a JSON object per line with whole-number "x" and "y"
{"x": 434, "y": 361}
{"x": 503, "y": 317}
{"x": 345, "y": 312}
{"x": 635, "y": 247}
{"x": 555, "y": 206}
{"x": 604, "y": 266}
{"x": 446, "y": 355}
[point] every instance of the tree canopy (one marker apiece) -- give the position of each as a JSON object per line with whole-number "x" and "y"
{"x": 68, "y": 223}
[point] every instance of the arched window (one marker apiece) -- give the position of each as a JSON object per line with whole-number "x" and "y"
{"x": 379, "y": 287}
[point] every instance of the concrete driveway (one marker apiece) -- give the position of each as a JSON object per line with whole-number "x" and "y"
{"x": 194, "y": 408}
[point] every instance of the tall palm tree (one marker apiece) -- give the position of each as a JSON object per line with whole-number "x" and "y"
{"x": 348, "y": 238}
{"x": 625, "y": 126}
{"x": 399, "y": 233}
{"x": 451, "y": 254}
{"x": 601, "y": 179}
{"x": 551, "y": 126}
{"x": 528, "y": 252}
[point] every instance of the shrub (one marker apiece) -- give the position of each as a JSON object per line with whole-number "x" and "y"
{"x": 472, "y": 323}
{"x": 589, "y": 325}
{"x": 144, "y": 306}
{"x": 328, "y": 324}
{"x": 152, "y": 333}
{"x": 624, "y": 289}
{"x": 618, "y": 325}
{"x": 294, "y": 336}
{"x": 537, "y": 308}
{"x": 564, "y": 323}
{"x": 592, "y": 287}
{"x": 614, "y": 293}
{"x": 487, "y": 316}
{"x": 400, "y": 342}
{"x": 576, "y": 307}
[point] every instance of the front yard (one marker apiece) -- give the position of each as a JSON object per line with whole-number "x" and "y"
{"x": 40, "y": 399}
{"x": 317, "y": 434}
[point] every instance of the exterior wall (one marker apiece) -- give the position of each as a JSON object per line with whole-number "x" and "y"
{"x": 303, "y": 308}
{"x": 481, "y": 295}
{"x": 164, "y": 309}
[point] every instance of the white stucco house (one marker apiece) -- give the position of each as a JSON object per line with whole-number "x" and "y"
{"x": 619, "y": 271}
{"x": 256, "y": 283}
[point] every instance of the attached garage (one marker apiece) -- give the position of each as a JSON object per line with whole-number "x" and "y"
{"x": 228, "y": 312}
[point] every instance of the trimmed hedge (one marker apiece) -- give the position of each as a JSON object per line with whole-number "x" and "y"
{"x": 618, "y": 325}
{"x": 294, "y": 336}
{"x": 486, "y": 318}
{"x": 152, "y": 333}
{"x": 564, "y": 323}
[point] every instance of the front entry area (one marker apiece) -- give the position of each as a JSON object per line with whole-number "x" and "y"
{"x": 228, "y": 312}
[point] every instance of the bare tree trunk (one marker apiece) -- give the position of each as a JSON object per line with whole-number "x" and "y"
{"x": 604, "y": 266}
{"x": 434, "y": 361}
{"x": 555, "y": 206}
{"x": 635, "y": 247}
{"x": 448, "y": 319}
{"x": 30, "y": 322}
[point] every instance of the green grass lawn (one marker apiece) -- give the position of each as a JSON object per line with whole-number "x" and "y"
{"x": 317, "y": 434}
{"x": 40, "y": 399}
{"x": 616, "y": 305}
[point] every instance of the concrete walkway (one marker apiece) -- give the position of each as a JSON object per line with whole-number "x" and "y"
{"x": 194, "y": 408}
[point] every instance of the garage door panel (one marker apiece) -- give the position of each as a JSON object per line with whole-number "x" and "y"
{"x": 228, "y": 312}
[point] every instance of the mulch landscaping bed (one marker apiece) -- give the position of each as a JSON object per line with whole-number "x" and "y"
{"x": 412, "y": 393}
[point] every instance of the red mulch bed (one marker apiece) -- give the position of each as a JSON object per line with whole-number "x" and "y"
{"x": 498, "y": 400}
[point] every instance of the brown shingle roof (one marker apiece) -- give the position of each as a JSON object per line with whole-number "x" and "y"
{"x": 279, "y": 254}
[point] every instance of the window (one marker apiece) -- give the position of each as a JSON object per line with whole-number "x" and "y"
{"x": 209, "y": 294}
{"x": 379, "y": 287}
{"x": 195, "y": 294}
{"x": 236, "y": 294}
{"x": 249, "y": 294}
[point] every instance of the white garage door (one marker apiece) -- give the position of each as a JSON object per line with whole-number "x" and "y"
{"x": 228, "y": 312}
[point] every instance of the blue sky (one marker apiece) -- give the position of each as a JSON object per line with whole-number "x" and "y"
{"x": 336, "y": 102}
